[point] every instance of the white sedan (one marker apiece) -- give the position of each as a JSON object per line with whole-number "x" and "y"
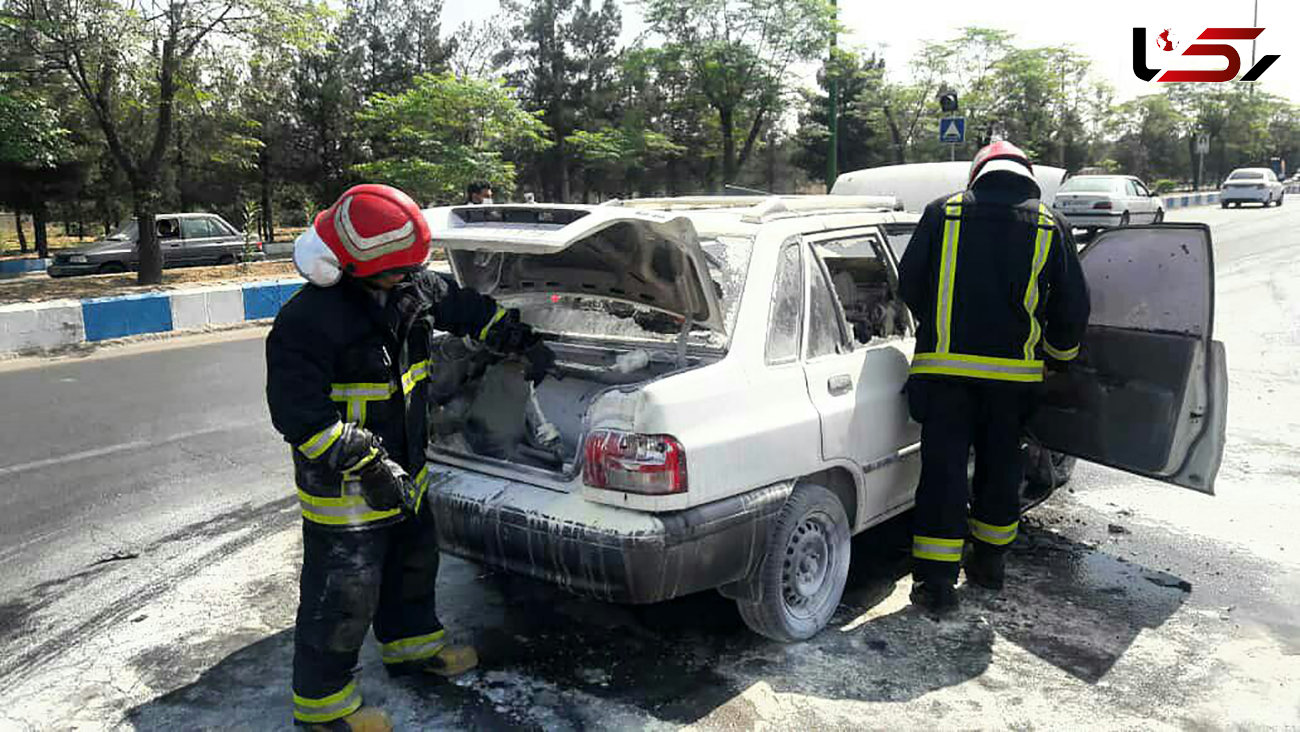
{"x": 731, "y": 406}
{"x": 1105, "y": 201}
{"x": 1252, "y": 185}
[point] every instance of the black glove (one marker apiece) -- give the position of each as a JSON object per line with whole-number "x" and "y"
{"x": 541, "y": 360}
{"x": 383, "y": 483}
{"x": 508, "y": 335}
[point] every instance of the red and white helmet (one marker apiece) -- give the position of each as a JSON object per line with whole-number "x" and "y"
{"x": 370, "y": 229}
{"x": 1001, "y": 156}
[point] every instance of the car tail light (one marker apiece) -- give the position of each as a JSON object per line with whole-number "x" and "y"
{"x": 1102, "y": 204}
{"x": 259, "y": 246}
{"x": 622, "y": 461}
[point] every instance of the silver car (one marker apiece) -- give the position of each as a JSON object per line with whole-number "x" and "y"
{"x": 1252, "y": 185}
{"x": 1105, "y": 201}
{"x": 185, "y": 239}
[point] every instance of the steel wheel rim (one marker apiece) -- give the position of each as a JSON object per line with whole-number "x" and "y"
{"x": 806, "y": 570}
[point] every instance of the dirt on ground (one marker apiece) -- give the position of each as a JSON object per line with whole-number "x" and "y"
{"x": 41, "y": 287}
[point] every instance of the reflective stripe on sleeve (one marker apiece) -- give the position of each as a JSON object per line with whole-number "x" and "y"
{"x": 947, "y": 274}
{"x": 1042, "y": 247}
{"x": 327, "y": 709}
{"x": 937, "y": 549}
{"x": 978, "y": 367}
{"x": 319, "y": 443}
{"x": 341, "y": 511}
{"x": 416, "y": 648}
{"x": 500, "y": 313}
{"x": 1067, "y": 354}
{"x": 418, "y": 372}
{"x": 996, "y": 535}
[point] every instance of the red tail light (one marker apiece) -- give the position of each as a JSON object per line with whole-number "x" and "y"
{"x": 622, "y": 461}
{"x": 1102, "y": 204}
{"x": 259, "y": 246}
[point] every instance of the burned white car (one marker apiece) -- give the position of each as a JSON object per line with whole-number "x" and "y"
{"x": 728, "y": 407}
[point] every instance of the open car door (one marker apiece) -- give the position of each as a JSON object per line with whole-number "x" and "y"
{"x": 1148, "y": 392}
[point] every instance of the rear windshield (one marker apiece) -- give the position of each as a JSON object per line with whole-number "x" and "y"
{"x": 578, "y": 315}
{"x": 1246, "y": 175}
{"x": 1091, "y": 185}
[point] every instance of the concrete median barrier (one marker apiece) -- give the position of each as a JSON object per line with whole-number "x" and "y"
{"x": 1184, "y": 200}
{"x": 37, "y": 327}
{"x": 20, "y": 267}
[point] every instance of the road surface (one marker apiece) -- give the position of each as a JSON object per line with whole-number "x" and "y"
{"x": 149, "y": 547}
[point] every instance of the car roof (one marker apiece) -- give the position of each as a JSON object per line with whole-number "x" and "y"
{"x": 743, "y": 215}
{"x": 1251, "y": 170}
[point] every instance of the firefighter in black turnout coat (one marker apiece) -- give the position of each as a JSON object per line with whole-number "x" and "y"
{"x": 993, "y": 279}
{"x": 347, "y": 363}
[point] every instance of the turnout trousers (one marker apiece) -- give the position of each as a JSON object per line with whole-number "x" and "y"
{"x": 955, "y": 416}
{"x": 385, "y": 575}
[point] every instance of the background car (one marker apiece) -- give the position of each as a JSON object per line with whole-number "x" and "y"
{"x": 1251, "y": 185}
{"x": 1105, "y": 201}
{"x": 186, "y": 239}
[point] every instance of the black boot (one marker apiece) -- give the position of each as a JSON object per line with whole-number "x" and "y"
{"x": 933, "y": 597}
{"x": 987, "y": 567}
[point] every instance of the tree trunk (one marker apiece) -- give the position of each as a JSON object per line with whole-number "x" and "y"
{"x": 726, "y": 120}
{"x": 267, "y": 225}
{"x": 896, "y": 135}
{"x": 182, "y": 171}
{"x": 39, "y": 227}
{"x": 145, "y": 204}
{"x": 18, "y": 226}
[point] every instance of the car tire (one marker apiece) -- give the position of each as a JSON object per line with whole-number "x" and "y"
{"x": 226, "y": 259}
{"x": 806, "y": 566}
{"x": 1160, "y": 216}
{"x": 111, "y": 268}
{"x": 1280, "y": 200}
{"x": 1123, "y": 219}
{"x": 1045, "y": 471}
{"x": 1224, "y": 204}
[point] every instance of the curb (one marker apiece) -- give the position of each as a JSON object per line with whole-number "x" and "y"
{"x": 55, "y": 324}
{"x": 19, "y": 267}
{"x": 1183, "y": 200}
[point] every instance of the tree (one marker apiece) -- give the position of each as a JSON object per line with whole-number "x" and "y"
{"x": 563, "y": 62}
{"x": 446, "y": 131}
{"x": 614, "y": 158}
{"x": 128, "y": 62}
{"x": 34, "y": 161}
{"x": 739, "y": 54}
{"x": 866, "y": 136}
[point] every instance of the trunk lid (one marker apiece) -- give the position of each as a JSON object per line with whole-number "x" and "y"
{"x": 647, "y": 258}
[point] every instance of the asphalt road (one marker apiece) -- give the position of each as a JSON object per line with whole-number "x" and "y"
{"x": 148, "y": 551}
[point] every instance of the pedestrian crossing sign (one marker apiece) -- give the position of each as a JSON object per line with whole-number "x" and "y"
{"x": 952, "y": 130}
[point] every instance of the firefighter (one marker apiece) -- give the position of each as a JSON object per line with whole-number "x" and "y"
{"x": 347, "y": 360}
{"x": 992, "y": 277}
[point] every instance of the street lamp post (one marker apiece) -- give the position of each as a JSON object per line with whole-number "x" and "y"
{"x": 832, "y": 114}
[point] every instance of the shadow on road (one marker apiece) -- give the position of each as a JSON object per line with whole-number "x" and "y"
{"x": 555, "y": 661}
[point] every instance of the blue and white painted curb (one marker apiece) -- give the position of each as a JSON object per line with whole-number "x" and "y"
{"x": 20, "y": 267}
{"x": 58, "y": 323}
{"x": 1183, "y": 200}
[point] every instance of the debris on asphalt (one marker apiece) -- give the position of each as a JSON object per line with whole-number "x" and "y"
{"x": 1117, "y": 529}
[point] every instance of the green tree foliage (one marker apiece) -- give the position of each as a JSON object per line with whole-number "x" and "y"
{"x": 446, "y": 131}
{"x": 739, "y": 55}
{"x": 614, "y": 159}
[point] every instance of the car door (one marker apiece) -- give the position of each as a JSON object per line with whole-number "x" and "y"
{"x": 171, "y": 241}
{"x": 1148, "y": 204}
{"x": 857, "y": 388}
{"x": 1133, "y": 204}
{"x": 1148, "y": 391}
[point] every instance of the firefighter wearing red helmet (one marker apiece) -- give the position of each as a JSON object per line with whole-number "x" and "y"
{"x": 992, "y": 277}
{"x": 347, "y": 360}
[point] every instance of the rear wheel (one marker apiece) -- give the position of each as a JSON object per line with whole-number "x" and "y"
{"x": 1280, "y": 199}
{"x": 1160, "y": 216}
{"x": 1224, "y": 204}
{"x": 226, "y": 259}
{"x": 1123, "y": 219}
{"x": 804, "y": 572}
{"x": 1045, "y": 471}
{"x": 112, "y": 268}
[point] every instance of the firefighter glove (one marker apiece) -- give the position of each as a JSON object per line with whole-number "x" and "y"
{"x": 510, "y": 336}
{"x": 541, "y": 361}
{"x": 383, "y": 483}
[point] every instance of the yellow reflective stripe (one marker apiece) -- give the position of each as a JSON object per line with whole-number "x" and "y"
{"x": 416, "y": 648}
{"x": 340, "y": 511}
{"x": 937, "y": 549}
{"x": 996, "y": 535}
{"x": 327, "y": 709}
{"x": 1067, "y": 354}
{"x": 363, "y": 462}
{"x": 361, "y": 390}
{"x": 422, "y": 486}
{"x": 316, "y": 445}
{"x": 947, "y": 274}
{"x": 498, "y": 315}
{"x": 979, "y": 367}
{"x": 1042, "y": 247}
{"x": 414, "y": 375}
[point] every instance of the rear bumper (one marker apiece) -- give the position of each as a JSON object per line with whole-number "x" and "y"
{"x": 1082, "y": 220}
{"x": 68, "y": 270}
{"x": 1246, "y": 195}
{"x": 607, "y": 552}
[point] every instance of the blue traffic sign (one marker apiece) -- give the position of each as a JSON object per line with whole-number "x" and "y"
{"x": 952, "y": 129}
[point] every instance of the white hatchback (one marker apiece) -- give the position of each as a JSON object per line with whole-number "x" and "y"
{"x": 731, "y": 406}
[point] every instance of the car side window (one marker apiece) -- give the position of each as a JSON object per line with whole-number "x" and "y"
{"x": 784, "y": 326}
{"x": 1142, "y": 190}
{"x": 866, "y": 287}
{"x": 1133, "y": 189}
{"x": 168, "y": 229}
{"x": 196, "y": 228}
{"x": 899, "y": 234}
{"x": 825, "y": 334}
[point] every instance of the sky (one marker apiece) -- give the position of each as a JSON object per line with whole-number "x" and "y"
{"x": 1101, "y": 29}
